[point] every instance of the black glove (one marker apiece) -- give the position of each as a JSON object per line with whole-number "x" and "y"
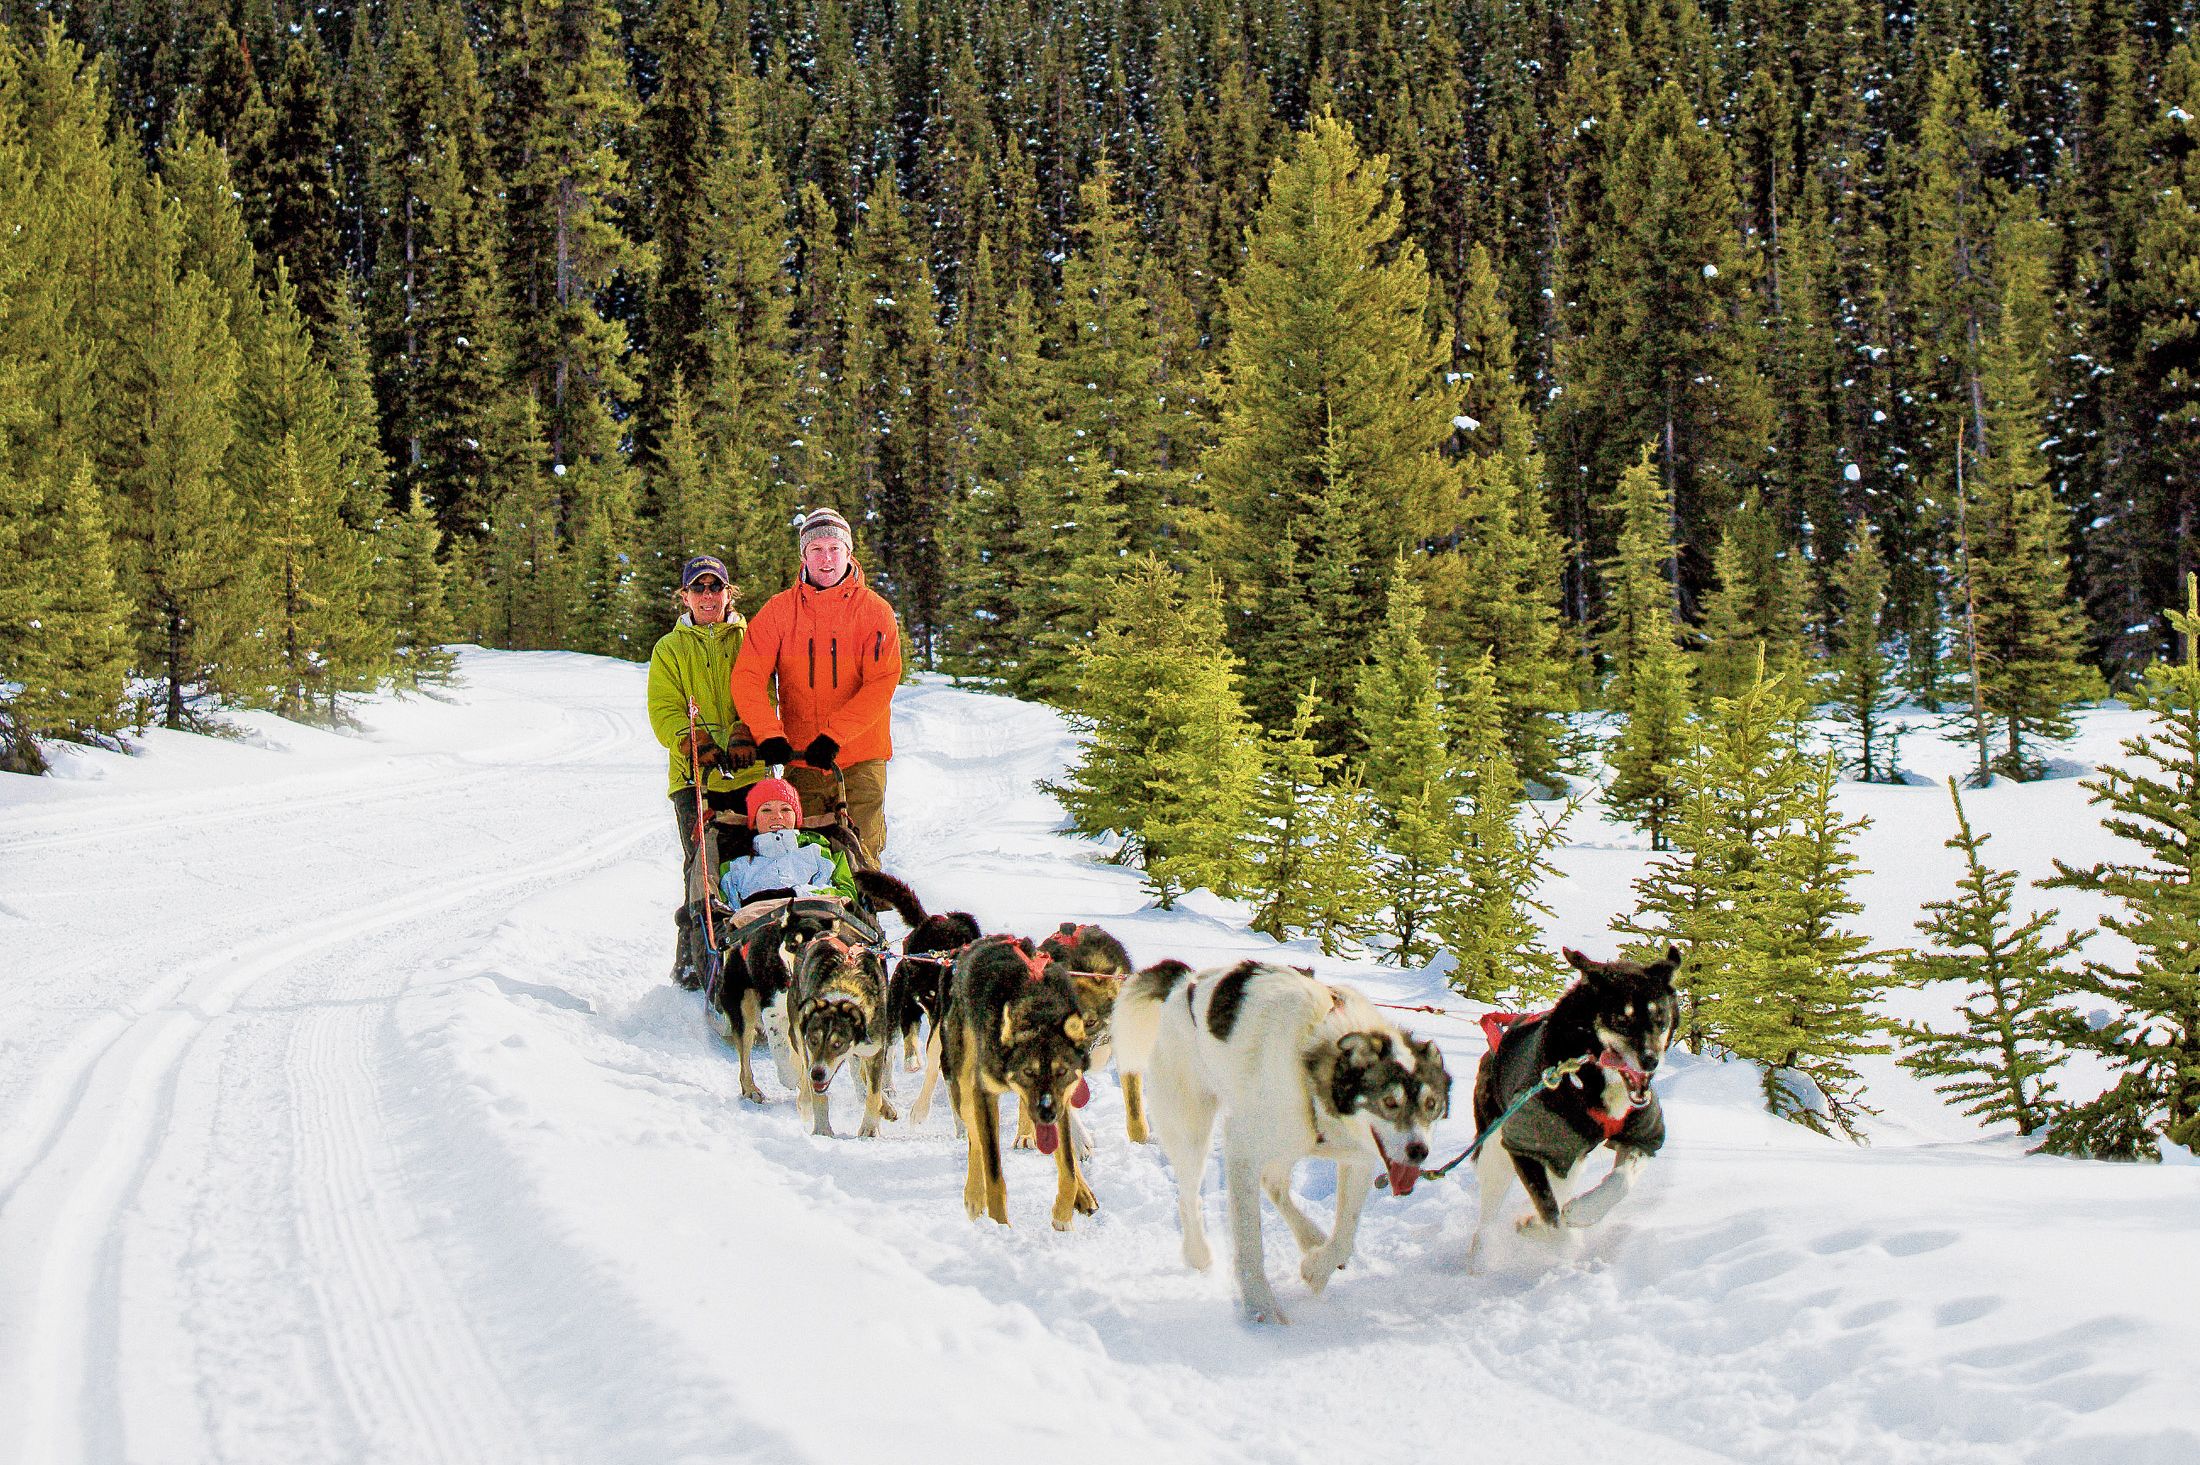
{"x": 740, "y": 747}
{"x": 821, "y": 752}
{"x": 776, "y": 751}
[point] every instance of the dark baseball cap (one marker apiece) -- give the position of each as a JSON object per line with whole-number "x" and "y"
{"x": 703, "y": 564}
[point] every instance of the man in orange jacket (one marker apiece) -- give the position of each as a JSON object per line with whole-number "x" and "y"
{"x": 831, "y": 644}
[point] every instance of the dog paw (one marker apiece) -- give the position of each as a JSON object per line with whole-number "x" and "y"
{"x": 1268, "y": 1314}
{"x": 752, "y": 1093}
{"x": 1196, "y": 1255}
{"x": 869, "y": 1129}
{"x": 1318, "y": 1266}
{"x": 887, "y": 1109}
{"x": 1137, "y": 1132}
{"x": 1088, "y": 1204}
{"x": 1532, "y": 1225}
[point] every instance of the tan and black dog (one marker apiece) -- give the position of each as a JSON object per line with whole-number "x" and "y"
{"x": 1097, "y": 964}
{"x": 836, "y": 1010}
{"x": 1013, "y": 1027}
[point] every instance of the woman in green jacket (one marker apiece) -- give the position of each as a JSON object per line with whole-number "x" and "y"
{"x": 691, "y": 711}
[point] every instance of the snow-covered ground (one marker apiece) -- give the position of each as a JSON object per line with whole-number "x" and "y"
{"x": 346, "y": 1114}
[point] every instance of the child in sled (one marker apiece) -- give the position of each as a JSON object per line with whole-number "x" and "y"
{"x": 788, "y": 861}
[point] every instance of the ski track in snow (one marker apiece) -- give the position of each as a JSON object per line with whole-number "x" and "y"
{"x": 345, "y": 1114}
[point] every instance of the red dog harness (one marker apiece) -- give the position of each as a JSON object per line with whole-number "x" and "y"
{"x": 1496, "y": 1024}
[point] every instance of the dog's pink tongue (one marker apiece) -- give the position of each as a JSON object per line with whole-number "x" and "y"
{"x": 1048, "y": 1137}
{"x": 1403, "y": 1177}
{"x": 1080, "y": 1096}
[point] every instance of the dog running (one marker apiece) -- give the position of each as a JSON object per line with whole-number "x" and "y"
{"x": 1097, "y": 964}
{"x": 1616, "y": 1021}
{"x": 836, "y": 1010}
{"x": 916, "y": 998}
{"x": 1014, "y": 1027}
{"x": 1295, "y": 1068}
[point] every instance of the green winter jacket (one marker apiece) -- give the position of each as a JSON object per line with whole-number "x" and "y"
{"x": 696, "y": 662}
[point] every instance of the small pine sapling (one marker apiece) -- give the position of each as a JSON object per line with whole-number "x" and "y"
{"x": 1493, "y": 933}
{"x": 1280, "y": 847}
{"x": 1995, "y": 1066}
{"x": 2150, "y": 1037}
{"x": 1172, "y": 763}
{"x": 1860, "y": 675}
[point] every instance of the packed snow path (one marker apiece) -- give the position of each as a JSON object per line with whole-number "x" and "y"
{"x": 346, "y": 1115}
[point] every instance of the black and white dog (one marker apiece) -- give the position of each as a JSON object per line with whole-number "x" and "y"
{"x": 1294, "y": 1068}
{"x": 1617, "y": 1021}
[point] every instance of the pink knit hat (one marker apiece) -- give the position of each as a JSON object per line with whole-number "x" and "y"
{"x": 772, "y": 790}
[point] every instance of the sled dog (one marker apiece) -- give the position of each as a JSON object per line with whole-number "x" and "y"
{"x": 751, "y": 979}
{"x": 836, "y": 1010}
{"x": 1295, "y": 1068}
{"x": 917, "y": 996}
{"x": 1013, "y": 1027}
{"x": 1097, "y": 964}
{"x": 747, "y": 988}
{"x": 1620, "y": 1015}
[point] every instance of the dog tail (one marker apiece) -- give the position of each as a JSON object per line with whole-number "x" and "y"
{"x": 1137, "y": 1021}
{"x": 882, "y": 889}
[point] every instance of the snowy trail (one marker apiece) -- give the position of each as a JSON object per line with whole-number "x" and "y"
{"x": 366, "y": 1127}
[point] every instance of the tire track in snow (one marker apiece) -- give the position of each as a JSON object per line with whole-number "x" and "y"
{"x": 65, "y": 1188}
{"x": 414, "y": 1374}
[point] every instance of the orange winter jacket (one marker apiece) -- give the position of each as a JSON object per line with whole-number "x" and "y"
{"x": 837, "y": 656}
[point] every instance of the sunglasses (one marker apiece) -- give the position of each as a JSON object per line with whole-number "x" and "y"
{"x": 706, "y": 586}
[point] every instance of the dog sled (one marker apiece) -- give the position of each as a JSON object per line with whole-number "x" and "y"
{"x": 715, "y": 928}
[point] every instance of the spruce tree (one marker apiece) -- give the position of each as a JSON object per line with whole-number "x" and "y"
{"x": 2149, "y": 1036}
{"x": 1280, "y": 849}
{"x": 1171, "y": 763}
{"x": 690, "y": 512}
{"x": 570, "y": 112}
{"x": 681, "y": 135}
{"x": 1802, "y": 989}
{"x": 1756, "y": 609}
{"x": 1860, "y": 683}
{"x": 310, "y": 587}
{"x": 1014, "y": 446}
{"x": 416, "y": 602}
{"x": 298, "y": 531}
{"x": 1492, "y": 933}
{"x": 897, "y": 375}
{"x": 1333, "y": 389}
{"x": 1344, "y": 864}
{"x": 744, "y": 395}
{"x": 1651, "y": 676}
{"x": 1673, "y": 357}
{"x": 168, "y": 397}
{"x": 1995, "y": 1066}
{"x": 2029, "y": 632}
{"x": 301, "y": 228}
{"x": 1398, "y": 712}
{"x": 1492, "y": 583}
{"x": 1756, "y": 890}
{"x": 1107, "y": 369}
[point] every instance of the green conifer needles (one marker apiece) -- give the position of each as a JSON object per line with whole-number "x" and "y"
{"x": 1171, "y": 764}
{"x": 2149, "y": 1035}
{"x": 1996, "y": 1065}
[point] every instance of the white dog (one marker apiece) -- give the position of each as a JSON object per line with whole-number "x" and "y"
{"x": 1295, "y": 1069}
